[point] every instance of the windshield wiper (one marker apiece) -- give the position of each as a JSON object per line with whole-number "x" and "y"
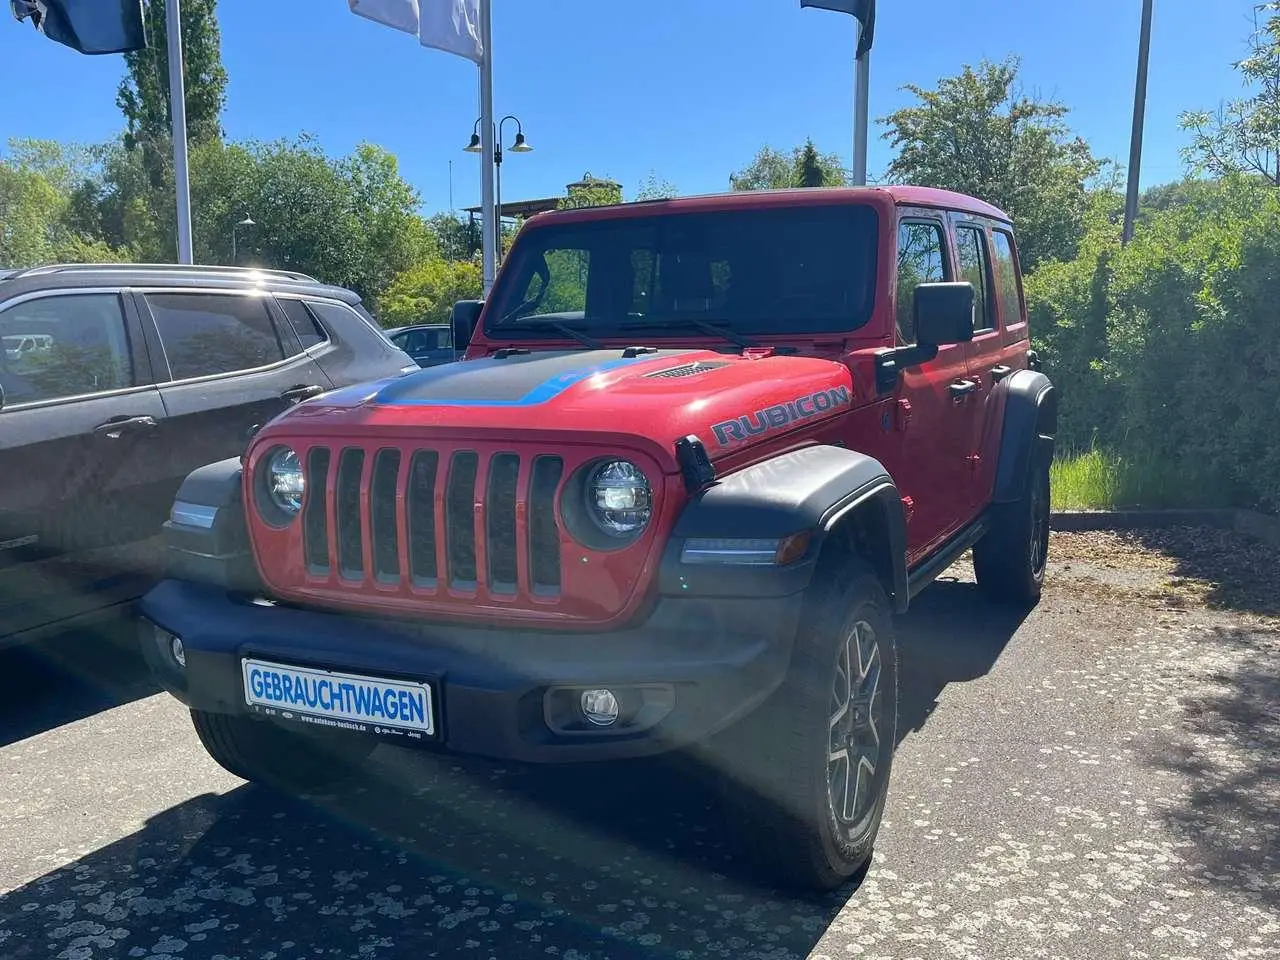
{"x": 558, "y": 325}
{"x": 709, "y": 327}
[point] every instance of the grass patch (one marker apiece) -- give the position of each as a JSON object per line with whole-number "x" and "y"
{"x": 1100, "y": 480}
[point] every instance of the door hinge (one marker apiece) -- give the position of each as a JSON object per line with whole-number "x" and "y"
{"x": 908, "y": 508}
{"x": 903, "y": 418}
{"x": 974, "y": 460}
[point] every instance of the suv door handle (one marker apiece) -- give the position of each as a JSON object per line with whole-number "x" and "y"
{"x": 1000, "y": 372}
{"x": 961, "y": 388}
{"x": 302, "y": 391}
{"x": 117, "y": 427}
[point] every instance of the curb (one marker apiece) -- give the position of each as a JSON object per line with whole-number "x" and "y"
{"x": 1248, "y": 523}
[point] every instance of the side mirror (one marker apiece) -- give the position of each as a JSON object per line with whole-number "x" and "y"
{"x": 463, "y": 319}
{"x": 1, "y": 396}
{"x": 944, "y": 313}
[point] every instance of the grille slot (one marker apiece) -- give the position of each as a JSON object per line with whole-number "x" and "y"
{"x": 500, "y": 520}
{"x": 460, "y": 525}
{"x": 420, "y": 503}
{"x": 544, "y": 534}
{"x": 350, "y": 527}
{"x": 315, "y": 513}
{"x": 382, "y": 516}
{"x": 688, "y": 369}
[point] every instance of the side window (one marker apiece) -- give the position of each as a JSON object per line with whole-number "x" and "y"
{"x": 1008, "y": 287}
{"x": 308, "y": 329}
{"x": 971, "y": 252}
{"x": 208, "y": 333}
{"x": 335, "y": 315}
{"x": 920, "y": 260}
{"x": 64, "y": 346}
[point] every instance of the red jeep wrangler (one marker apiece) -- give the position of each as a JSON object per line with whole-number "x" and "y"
{"x": 698, "y": 453}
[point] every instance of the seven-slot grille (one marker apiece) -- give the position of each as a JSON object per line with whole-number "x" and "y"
{"x": 433, "y": 518}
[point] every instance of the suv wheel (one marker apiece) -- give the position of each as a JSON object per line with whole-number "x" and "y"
{"x": 1009, "y": 561}
{"x": 804, "y": 777}
{"x": 261, "y": 752}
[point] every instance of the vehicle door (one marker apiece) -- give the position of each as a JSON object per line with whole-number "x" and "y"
{"x": 79, "y": 431}
{"x": 933, "y": 416}
{"x": 984, "y": 353}
{"x": 436, "y": 346}
{"x": 231, "y": 362}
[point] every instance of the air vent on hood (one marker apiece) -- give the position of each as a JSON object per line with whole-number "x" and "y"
{"x": 689, "y": 369}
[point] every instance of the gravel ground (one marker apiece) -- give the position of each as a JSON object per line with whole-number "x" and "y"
{"x": 1100, "y": 779}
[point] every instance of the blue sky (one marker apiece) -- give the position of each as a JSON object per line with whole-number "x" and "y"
{"x": 688, "y": 89}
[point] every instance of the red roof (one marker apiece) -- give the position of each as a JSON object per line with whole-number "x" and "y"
{"x": 881, "y": 196}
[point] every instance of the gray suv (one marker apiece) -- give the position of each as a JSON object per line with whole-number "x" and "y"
{"x": 116, "y": 382}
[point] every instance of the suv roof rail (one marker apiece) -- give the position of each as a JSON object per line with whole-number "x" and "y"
{"x": 201, "y": 268}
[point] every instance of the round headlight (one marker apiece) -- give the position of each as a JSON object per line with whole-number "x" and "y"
{"x": 619, "y": 498}
{"x": 285, "y": 480}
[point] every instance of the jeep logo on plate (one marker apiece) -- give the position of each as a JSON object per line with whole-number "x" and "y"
{"x": 780, "y": 415}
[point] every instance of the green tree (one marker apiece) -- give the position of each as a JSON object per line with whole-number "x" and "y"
{"x": 591, "y": 192}
{"x": 1243, "y": 135}
{"x": 427, "y": 292}
{"x": 977, "y": 134}
{"x": 772, "y": 169}
{"x": 654, "y": 188}
{"x": 457, "y": 238}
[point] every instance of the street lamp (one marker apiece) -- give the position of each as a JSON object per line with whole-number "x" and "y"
{"x": 246, "y": 222}
{"x": 519, "y": 145}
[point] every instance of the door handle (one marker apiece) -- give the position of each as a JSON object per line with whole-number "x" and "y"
{"x": 117, "y": 427}
{"x": 302, "y": 391}
{"x": 961, "y": 388}
{"x": 1000, "y": 372}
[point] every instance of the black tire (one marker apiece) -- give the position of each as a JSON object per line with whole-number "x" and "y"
{"x": 263, "y": 753}
{"x": 779, "y": 786}
{"x": 1009, "y": 561}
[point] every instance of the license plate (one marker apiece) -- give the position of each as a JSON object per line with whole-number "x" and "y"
{"x": 373, "y": 704}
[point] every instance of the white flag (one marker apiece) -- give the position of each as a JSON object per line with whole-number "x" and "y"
{"x": 452, "y": 26}
{"x": 401, "y": 14}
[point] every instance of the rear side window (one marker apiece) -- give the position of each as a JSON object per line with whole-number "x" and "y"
{"x": 64, "y": 346}
{"x": 338, "y": 314}
{"x": 971, "y": 252}
{"x": 210, "y": 333}
{"x": 920, "y": 260}
{"x": 1008, "y": 287}
{"x": 307, "y": 327}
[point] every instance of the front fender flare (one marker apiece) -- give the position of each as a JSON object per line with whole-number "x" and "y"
{"x": 819, "y": 489}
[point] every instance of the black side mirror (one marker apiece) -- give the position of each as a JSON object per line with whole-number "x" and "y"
{"x": 463, "y": 319}
{"x": 944, "y": 313}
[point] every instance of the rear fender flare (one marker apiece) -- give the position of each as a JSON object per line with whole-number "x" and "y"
{"x": 838, "y": 495}
{"x": 1029, "y": 428}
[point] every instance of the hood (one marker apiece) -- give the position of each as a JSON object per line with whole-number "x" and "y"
{"x": 597, "y": 395}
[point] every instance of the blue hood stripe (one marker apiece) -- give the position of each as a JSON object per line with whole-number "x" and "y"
{"x": 542, "y": 393}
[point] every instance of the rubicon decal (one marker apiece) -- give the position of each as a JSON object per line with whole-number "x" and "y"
{"x": 780, "y": 415}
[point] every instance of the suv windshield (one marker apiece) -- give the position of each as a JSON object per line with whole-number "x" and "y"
{"x": 779, "y": 270}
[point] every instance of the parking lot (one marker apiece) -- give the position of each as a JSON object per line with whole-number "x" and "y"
{"x": 1100, "y": 779}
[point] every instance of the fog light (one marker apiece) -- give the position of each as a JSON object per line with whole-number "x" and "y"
{"x": 600, "y": 707}
{"x": 177, "y": 652}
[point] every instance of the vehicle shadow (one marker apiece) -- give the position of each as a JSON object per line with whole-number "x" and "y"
{"x": 70, "y": 676}
{"x": 1228, "y": 751}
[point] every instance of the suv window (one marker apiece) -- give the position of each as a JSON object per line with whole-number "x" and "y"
{"x": 754, "y": 271}
{"x": 64, "y": 346}
{"x": 921, "y": 259}
{"x": 208, "y": 333}
{"x": 1008, "y": 288}
{"x": 971, "y": 253}
{"x": 307, "y": 327}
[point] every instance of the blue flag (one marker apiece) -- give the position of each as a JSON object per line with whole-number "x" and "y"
{"x": 87, "y": 26}
{"x": 863, "y": 10}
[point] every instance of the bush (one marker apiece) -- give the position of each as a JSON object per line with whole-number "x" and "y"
{"x": 426, "y": 293}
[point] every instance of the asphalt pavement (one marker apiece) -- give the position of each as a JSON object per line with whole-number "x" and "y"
{"x": 1098, "y": 780}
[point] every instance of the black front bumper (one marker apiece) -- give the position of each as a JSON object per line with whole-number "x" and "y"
{"x": 707, "y": 662}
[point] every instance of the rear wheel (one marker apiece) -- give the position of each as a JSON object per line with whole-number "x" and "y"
{"x": 1009, "y": 561}
{"x": 804, "y": 777}
{"x": 264, "y": 753}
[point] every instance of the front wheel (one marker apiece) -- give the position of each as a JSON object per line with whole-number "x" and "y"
{"x": 804, "y": 777}
{"x": 261, "y": 752}
{"x": 1009, "y": 561}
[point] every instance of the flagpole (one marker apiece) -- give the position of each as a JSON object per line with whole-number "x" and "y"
{"x": 488, "y": 215}
{"x": 1139, "y": 112}
{"x": 178, "y": 112}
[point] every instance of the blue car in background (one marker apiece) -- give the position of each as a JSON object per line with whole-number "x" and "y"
{"x": 428, "y": 343}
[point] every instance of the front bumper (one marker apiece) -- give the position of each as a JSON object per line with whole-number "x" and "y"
{"x": 497, "y": 693}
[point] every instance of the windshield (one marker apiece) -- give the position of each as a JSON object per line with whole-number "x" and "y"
{"x": 805, "y": 269}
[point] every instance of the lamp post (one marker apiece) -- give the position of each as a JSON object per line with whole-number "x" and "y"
{"x": 1139, "y": 113}
{"x": 246, "y": 222}
{"x": 519, "y": 145}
